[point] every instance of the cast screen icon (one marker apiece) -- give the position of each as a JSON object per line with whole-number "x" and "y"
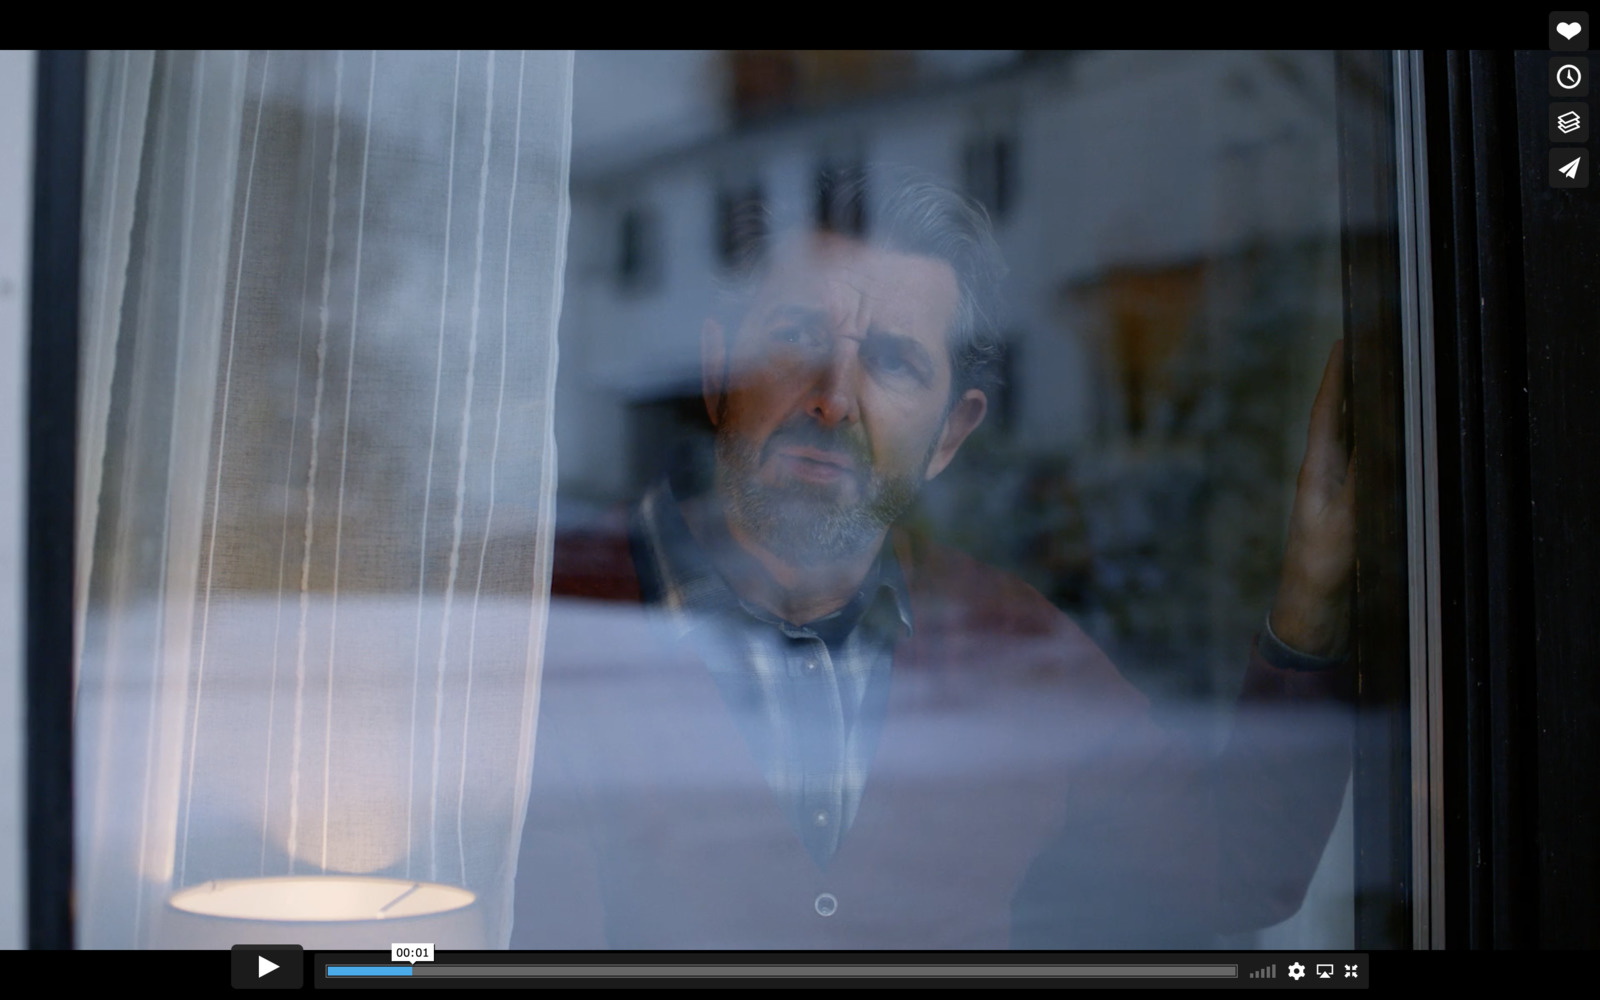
{"x": 1569, "y": 168}
{"x": 268, "y": 967}
{"x": 1569, "y": 30}
{"x": 1569, "y": 76}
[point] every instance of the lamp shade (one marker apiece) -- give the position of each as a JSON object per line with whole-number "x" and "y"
{"x": 322, "y": 911}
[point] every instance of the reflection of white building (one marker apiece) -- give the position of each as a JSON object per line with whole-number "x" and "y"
{"x": 1171, "y": 224}
{"x": 1112, "y": 161}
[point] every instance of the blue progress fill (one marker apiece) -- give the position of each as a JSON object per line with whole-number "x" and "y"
{"x": 369, "y": 970}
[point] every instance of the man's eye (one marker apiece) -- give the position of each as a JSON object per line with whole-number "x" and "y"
{"x": 888, "y": 359}
{"x": 796, "y": 336}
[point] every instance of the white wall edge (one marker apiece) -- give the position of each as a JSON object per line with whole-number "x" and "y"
{"x": 17, "y": 75}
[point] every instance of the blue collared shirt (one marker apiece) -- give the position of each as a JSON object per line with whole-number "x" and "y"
{"x": 809, "y": 698}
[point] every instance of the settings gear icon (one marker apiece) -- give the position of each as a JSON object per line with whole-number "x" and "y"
{"x": 1297, "y": 971}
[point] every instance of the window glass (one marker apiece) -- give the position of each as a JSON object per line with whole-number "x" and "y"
{"x": 940, "y": 529}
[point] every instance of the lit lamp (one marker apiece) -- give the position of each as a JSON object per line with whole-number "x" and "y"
{"x": 305, "y": 819}
{"x": 321, "y": 911}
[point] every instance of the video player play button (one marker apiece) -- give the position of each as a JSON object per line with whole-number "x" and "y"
{"x": 268, "y": 967}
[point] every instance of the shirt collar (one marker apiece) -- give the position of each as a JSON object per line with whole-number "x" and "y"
{"x": 682, "y": 578}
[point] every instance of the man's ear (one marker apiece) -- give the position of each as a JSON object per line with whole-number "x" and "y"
{"x": 963, "y": 418}
{"x": 713, "y": 367}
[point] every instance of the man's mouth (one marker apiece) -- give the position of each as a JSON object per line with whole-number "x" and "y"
{"x": 815, "y": 465}
{"x": 819, "y": 456}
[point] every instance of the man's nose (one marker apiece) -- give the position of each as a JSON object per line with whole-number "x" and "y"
{"x": 833, "y": 389}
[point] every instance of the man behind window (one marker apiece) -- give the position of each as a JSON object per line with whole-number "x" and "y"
{"x": 814, "y": 730}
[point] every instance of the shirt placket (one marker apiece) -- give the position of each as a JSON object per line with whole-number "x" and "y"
{"x": 814, "y": 696}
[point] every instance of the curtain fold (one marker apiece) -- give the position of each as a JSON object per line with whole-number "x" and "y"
{"x": 119, "y": 99}
{"x": 321, "y": 293}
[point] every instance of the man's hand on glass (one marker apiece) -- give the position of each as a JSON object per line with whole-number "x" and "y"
{"x": 1312, "y": 611}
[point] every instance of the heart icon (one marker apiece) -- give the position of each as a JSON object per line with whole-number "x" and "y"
{"x": 1567, "y": 29}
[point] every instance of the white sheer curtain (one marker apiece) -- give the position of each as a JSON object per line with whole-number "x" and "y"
{"x": 316, "y": 483}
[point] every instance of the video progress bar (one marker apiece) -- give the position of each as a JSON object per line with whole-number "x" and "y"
{"x": 614, "y": 971}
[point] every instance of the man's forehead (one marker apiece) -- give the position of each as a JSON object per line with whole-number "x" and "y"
{"x": 851, "y": 279}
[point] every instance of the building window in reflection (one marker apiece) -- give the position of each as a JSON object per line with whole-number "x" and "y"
{"x": 638, "y": 261}
{"x": 841, "y": 199}
{"x": 989, "y": 165}
{"x": 741, "y": 225}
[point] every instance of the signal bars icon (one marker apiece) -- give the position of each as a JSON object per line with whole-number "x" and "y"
{"x": 1270, "y": 972}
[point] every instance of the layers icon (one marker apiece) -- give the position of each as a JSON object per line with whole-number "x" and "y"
{"x": 1569, "y": 122}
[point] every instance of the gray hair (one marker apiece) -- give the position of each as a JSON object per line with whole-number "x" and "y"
{"x": 918, "y": 216}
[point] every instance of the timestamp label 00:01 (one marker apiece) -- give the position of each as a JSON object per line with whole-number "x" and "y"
{"x": 412, "y": 953}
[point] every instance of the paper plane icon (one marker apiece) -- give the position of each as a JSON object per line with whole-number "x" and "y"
{"x": 263, "y": 966}
{"x": 1571, "y": 169}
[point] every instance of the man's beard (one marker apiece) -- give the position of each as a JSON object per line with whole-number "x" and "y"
{"x": 805, "y": 523}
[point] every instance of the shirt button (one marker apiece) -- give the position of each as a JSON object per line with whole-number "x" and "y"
{"x": 811, "y": 666}
{"x": 820, "y": 817}
{"x": 826, "y": 904}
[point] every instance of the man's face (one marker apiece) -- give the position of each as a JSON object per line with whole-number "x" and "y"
{"x": 832, "y": 400}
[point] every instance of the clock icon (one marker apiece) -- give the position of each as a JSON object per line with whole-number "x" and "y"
{"x": 1569, "y": 77}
